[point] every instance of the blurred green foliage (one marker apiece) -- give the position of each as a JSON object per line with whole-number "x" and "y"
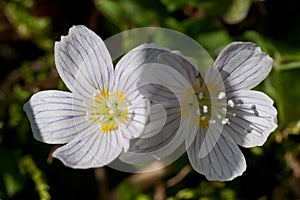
{"x": 28, "y": 29}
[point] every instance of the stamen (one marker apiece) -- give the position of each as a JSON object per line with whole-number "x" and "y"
{"x": 231, "y": 103}
{"x": 231, "y": 113}
{"x": 98, "y": 98}
{"x": 205, "y": 109}
{"x": 207, "y": 96}
{"x": 108, "y": 127}
{"x": 225, "y": 121}
{"x": 221, "y": 95}
{"x": 105, "y": 93}
{"x": 108, "y": 110}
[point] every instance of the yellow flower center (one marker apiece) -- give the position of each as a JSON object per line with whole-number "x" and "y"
{"x": 109, "y": 110}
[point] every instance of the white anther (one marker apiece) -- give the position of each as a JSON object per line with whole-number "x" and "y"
{"x": 231, "y": 103}
{"x": 205, "y": 109}
{"x": 200, "y": 95}
{"x": 221, "y": 95}
{"x": 225, "y": 121}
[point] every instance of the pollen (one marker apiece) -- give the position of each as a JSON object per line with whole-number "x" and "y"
{"x": 109, "y": 110}
{"x": 120, "y": 97}
{"x": 105, "y": 93}
{"x": 108, "y": 127}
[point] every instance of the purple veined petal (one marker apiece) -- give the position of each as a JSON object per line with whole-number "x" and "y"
{"x": 223, "y": 163}
{"x": 155, "y": 92}
{"x": 159, "y": 93}
{"x": 243, "y": 65}
{"x": 138, "y": 114}
{"x": 56, "y": 117}
{"x": 184, "y": 65}
{"x": 166, "y": 76}
{"x": 211, "y": 137}
{"x": 163, "y": 137}
{"x": 158, "y": 118}
{"x": 91, "y": 149}
{"x": 213, "y": 77}
{"x": 170, "y": 137}
{"x": 252, "y": 119}
{"x": 83, "y": 61}
{"x": 147, "y": 150}
{"x": 130, "y": 67}
{"x": 165, "y": 146}
{"x": 143, "y": 162}
{"x": 214, "y": 84}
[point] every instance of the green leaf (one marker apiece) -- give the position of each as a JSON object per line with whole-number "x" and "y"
{"x": 114, "y": 11}
{"x": 266, "y": 44}
{"x": 185, "y": 194}
{"x": 237, "y": 11}
{"x": 10, "y": 176}
{"x": 12, "y": 184}
{"x": 287, "y": 61}
{"x": 288, "y": 95}
{"x": 174, "y": 5}
{"x": 214, "y": 41}
{"x": 127, "y": 191}
{"x": 27, "y": 165}
{"x": 143, "y": 197}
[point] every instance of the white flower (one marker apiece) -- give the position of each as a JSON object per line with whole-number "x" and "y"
{"x": 248, "y": 116}
{"x": 217, "y": 112}
{"x": 104, "y": 109}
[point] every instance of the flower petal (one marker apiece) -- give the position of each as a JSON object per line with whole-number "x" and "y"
{"x": 158, "y": 118}
{"x": 91, "y": 149}
{"x": 56, "y": 117}
{"x": 129, "y": 68}
{"x": 160, "y": 145}
{"x": 159, "y": 93}
{"x": 164, "y": 143}
{"x": 166, "y": 76}
{"x": 243, "y": 65}
{"x": 139, "y": 115}
{"x": 223, "y": 163}
{"x": 252, "y": 118}
{"x": 83, "y": 61}
{"x": 184, "y": 65}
